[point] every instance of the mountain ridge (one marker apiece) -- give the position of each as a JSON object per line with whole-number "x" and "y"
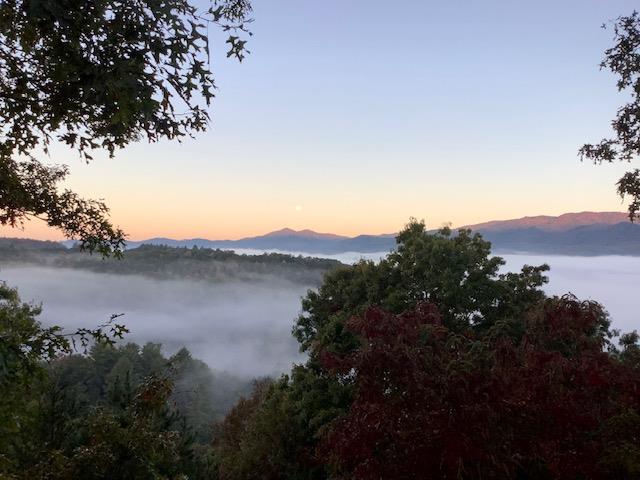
{"x": 544, "y": 222}
{"x": 565, "y": 221}
{"x": 580, "y": 233}
{"x": 307, "y": 233}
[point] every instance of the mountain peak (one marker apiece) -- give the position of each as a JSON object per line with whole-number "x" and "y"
{"x": 306, "y": 233}
{"x": 282, "y": 232}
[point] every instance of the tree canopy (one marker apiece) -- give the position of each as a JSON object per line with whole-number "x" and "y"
{"x": 93, "y": 75}
{"x": 546, "y": 402}
{"x": 107, "y": 412}
{"x": 430, "y": 363}
{"x": 434, "y": 364}
{"x": 454, "y": 270}
{"x": 25, "y": 347}
{"x": 623, "y": 60}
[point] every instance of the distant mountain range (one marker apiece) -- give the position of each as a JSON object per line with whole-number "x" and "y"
{"x": 584, "y": 233}
{"x": 566, "y": 221}
{"x": 288, "y": 240}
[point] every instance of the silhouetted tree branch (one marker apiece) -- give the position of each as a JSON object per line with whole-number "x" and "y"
{"x": 97, "y": 75}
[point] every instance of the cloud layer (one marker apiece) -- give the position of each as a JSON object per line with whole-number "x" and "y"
{"x": 244, "y": 328}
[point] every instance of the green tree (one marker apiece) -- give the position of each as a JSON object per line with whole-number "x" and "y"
{"x": 193, "y": 395}
{"x": 151, "y": 359}
{"x": 266, "y": 437}
{"x": 135, "y": 443}
{"x": 24, "y": 347}
{"x": 453, "y": 270}
{"x": 121, "y": 382}
{"x": 23, "y": 344}
{"x": 97, "y": 75}
{"x": 114, "y": 412}
{"x": 623, "y": 60}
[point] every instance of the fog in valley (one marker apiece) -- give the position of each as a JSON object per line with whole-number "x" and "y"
{"x": 244, "y": 327}
{"x": 610, "y": 280}
{"x": 240, "y": 328}
{"x": 345, "y": 257}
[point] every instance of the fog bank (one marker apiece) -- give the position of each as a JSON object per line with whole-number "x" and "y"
{"x": 242, "y": 328}
{"x": 245, "y": 327}
{"x": 613, "y": 281}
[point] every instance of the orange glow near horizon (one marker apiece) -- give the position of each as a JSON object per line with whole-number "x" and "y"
{"x": 234, "y": 228}
{"x": 38, "y": 230}
{"x": 306, "y": 135}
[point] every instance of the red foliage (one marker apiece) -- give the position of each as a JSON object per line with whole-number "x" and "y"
{"x": 430, "y": 403}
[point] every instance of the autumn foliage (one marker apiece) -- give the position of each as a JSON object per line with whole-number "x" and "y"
{"x": 432, "y": 364}
{"x": 543, "y": 397}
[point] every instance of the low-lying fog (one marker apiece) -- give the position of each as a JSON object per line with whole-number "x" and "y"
{"x": 244, "y": 328}
{"x": 241, "y": 328}
{"x": 613, "y": 281}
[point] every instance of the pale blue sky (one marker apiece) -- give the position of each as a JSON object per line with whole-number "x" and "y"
{"x": 352, "y": 116}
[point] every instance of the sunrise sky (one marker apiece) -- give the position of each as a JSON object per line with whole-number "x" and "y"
{"x": 352, "y": 116}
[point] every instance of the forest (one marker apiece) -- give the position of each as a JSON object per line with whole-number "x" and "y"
{"x": 164, "y": 262}
{"x": 427, "y": 361}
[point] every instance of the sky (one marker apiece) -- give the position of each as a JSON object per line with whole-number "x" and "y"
{"x": 353, "y": 116}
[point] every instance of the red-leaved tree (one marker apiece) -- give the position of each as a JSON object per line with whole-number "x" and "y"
{"x": 541, "y": 397}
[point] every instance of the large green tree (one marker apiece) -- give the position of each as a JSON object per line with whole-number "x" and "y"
{"x": 454, "y": 270}
{"x": 97, "y": 75}
{"x": 623, "y": 60}
{"x": 433, "y": 364}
